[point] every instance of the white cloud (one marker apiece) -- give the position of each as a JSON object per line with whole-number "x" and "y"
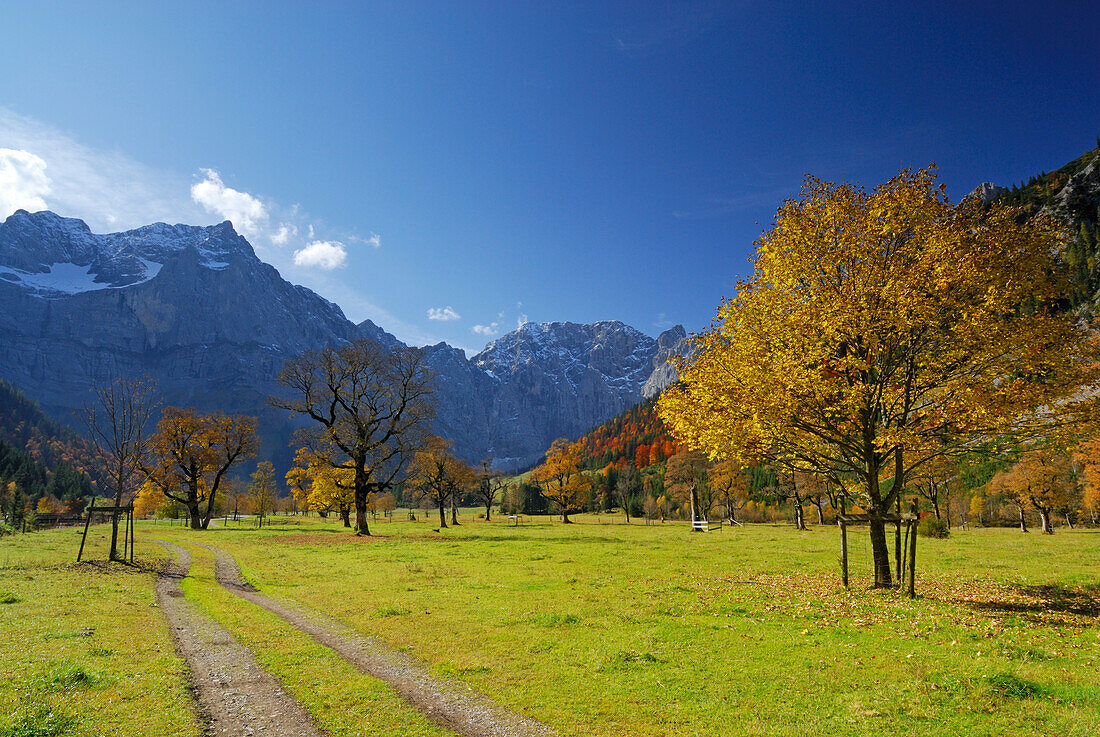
{"x": 23, "y": 182}
{"x": 246, "y": 212}
{"x": 111, "y": 192}
{"x": 283, "y": 235}
{"x": 108, "y": 190}
{"x": 663, "y": 323}
{"x": 446, "y": 314}
{"x": 521, "y": 320}
{"x": 487, "y": 330}
{"x": 326, "y": 255}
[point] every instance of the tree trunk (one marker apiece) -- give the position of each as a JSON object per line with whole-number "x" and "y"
{"x": 1023, "y": 519}
{"x": 565, "y": 517}
{"x": 1044, "y": 518}
{"x": 1069, "y": 520}
{"x": 820, "y": 512}
{"x": 488, "y": 510}
{"x": 114, "y": 534}
{"x": 209, "y": 511}
{"x": 345, "y": 515}
{"x": 361, "y": 527}
{"x": 195, "y": 514}
{"x": 897, "y": 537}
{"x": 442, "y": 514}
{"x": 454, "y": 511}
{"x": 880, "y": 553}
{"x": 799, "y": 516}
{"x": 694, "y": 508}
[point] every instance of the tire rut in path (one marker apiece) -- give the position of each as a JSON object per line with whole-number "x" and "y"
{"x": 448, "y": 703}
{"x": 236, "y": 696}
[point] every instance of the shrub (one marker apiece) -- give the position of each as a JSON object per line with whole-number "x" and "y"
{"x": 932, "y": 527}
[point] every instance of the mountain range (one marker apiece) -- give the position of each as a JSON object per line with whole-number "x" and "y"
{"x": 195, "y": 309}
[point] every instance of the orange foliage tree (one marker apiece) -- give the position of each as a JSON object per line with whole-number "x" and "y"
{"x": 189, "y": 457}
{"x": 440, "y": 475}
{"x": 1087, "y": 454}
{"x": 1043, "y": 479}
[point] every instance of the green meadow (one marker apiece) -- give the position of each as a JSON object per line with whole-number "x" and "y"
{"x": 595, "y": 628}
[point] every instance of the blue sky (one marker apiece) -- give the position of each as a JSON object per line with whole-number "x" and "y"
{"x": 510, "y": 161}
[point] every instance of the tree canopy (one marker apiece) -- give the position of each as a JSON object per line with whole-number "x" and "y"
{"x": 370, "y": 407}
{"x": 881, "y": 330}
{"x": 190, "y": 455}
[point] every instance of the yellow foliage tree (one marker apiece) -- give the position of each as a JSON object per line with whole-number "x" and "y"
{"x": 262, "y": 491}
{"x": 149, "y": 501}
{"x": 881, "y": 330}
{"x": 731, "y": 486}
{"x": 320, "y": 487}
{"x": 561, "y": 478}
{"x": 48, "y": 504}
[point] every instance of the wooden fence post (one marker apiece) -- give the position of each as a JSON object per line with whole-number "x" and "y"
{"x": 131, "y": 512}
{"x": 897, "y": 539}
{"x": 913, "y": 560}
{"x": 844, "y": 553}
{"x": 84, "y": 537}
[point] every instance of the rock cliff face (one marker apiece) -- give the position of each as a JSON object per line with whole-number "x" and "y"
{"x": 194, "y": 308}
{"x": 554, "y": 379}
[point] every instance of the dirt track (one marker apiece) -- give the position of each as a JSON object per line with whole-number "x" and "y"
{"x": 235, "y": 695}
{"x": 448, "y": 703}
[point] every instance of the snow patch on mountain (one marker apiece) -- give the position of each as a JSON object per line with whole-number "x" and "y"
{"x": 53, "y": 256}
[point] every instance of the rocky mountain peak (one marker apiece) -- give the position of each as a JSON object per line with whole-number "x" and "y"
{"x": 985, "y": 193}
{"x": 52, "y": 256}
{"x": 193, "y": 307}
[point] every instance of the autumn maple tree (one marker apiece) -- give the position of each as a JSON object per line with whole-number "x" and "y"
{"x": 881, "y": 330}
{"x": 190, "y": 455}
{"x": 318, "y": 486}
{"x": 686, "y": 479}
{"x": 370, "y": 407}
{"x": 440, "y": 475}
{"x": 1087, "y": 454}
{"x": 1041, "y": 479}
{"x": 561, "y": 479}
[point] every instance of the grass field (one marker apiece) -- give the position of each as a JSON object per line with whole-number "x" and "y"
{"x": 84, "y": 650}
{"x": 602, "y": 628}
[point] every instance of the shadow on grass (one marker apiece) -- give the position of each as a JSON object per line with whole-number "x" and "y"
{"x": 1048, "y": 599}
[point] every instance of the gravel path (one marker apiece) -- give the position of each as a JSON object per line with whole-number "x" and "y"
{"x": 236, "y": 696}
{"x": 450, "y": 704}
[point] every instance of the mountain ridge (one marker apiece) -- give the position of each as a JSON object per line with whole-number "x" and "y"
{"x": 195, "y": 308}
